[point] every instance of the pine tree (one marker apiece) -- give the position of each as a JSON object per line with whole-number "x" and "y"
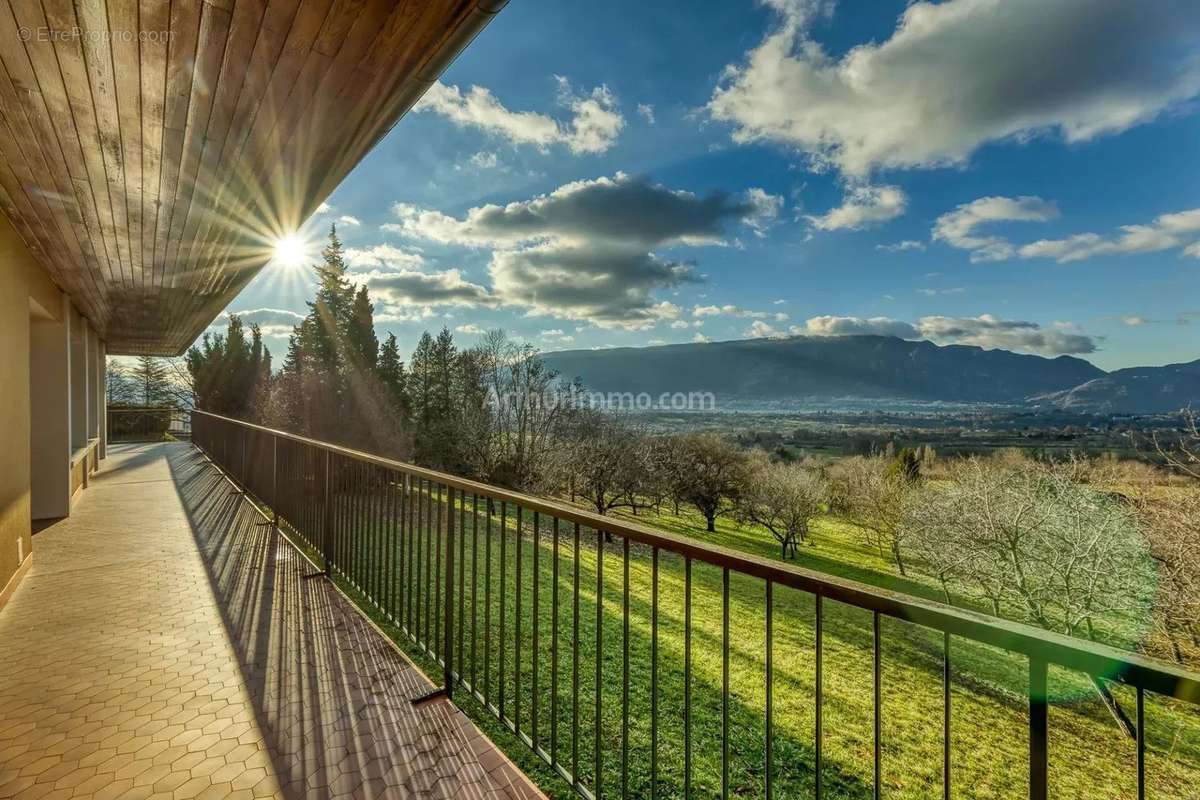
{"x": 391, "y": 372}
{"x": 361, "y": 340}
{"x": 150, "y": 376}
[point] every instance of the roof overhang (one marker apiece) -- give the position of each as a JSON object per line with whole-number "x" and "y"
{"x": 151, "y": 151}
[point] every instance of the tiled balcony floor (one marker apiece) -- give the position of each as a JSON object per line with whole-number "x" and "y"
{"x": 165, "y": 645}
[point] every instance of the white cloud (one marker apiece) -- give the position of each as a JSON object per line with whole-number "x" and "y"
{"x": 470, "y": 328}
{"x": 985, "y": 331}
{"x": 992, "y": 332}
{"x": 766, "y": 208}
{"x": 761, "y": 330}
{"x": 901, "y": 247}
{"x": 384, "y": 256}
{"x": 700, "y": 338}
{"x": 1166, "y": 232}
{"x": 347, "y": 219}
{"x": 485, "y": 159}
{"x": 958, "y": 74}
{"x": 411, "y": 288}
{"x": 858, "y": 326}
{"x": 593, "y": 127}
{"x": 863, "y": 206}
{"x": 272, "y": 322}
{"x": 647, "y": 112}
{"x": 324, "y": 208}
{"x": 728, "y": 311}
{"x": 940, "y": 292}
{"x": 1135, "y": 321}
{"x": 959, "y": 228}
{"x": 585, "y": 250}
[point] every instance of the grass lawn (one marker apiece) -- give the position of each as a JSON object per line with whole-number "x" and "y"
{"x": 989, "y": 744}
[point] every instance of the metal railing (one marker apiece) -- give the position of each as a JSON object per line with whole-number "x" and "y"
{"x": 442, "y": 559}
{"x": 147, "y": 423}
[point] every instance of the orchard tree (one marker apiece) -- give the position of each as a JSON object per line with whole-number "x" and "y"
{"x": 873, "y": 494}
{"x": 712, "y": 474}
{"x": 783, "y": 498}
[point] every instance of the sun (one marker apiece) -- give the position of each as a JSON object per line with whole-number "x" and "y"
{"x": 291, "y": 251}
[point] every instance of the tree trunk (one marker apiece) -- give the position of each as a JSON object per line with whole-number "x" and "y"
{"x": 711, "y": 519}
{"x": 899, "y": 560}
{"x": 1123, "y": 722}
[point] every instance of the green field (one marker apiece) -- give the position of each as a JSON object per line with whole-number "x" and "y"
{"x": 989, "y": 744}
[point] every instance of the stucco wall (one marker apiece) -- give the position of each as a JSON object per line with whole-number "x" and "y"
{"x": 21, "y": 280}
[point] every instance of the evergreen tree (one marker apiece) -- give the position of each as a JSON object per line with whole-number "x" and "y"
{"x": 391, "y": 372}
{"x": 360, "y": 332}
{"x": 230, "y": 373}
{"x": 150, "y": 379}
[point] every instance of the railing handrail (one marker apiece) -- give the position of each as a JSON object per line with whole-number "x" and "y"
{"x": 1070, "y": 652}
{"x": 148, "y": 408}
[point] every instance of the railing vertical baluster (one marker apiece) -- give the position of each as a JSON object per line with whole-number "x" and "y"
{"x": 769, "y": 765}
{"x": 427, "y": 627}
{"x": 448, "y": 643}
{"x": 625, "y": 667}
{"x": 1038, "y": 729}
{"x": 517, "y": 631}
{"x": 327, "y": 524}
{"x": 503, "y": 585}
{"x": 535, "y": 625}
{"x": 596, "y": 742}
{"x": 877, "y": 680}
{"x": 554, "y": 651}
{"x": 392, "y": 550}
{"x": 275, "y": 481}
{"x": 474, "y": 591}
{"x": 946, "y": 715}
{"x": 1141, "y": 743}
{"x": 462, "y": 582}
{"x": 654, "y": 674}
{"x": 818, "y": 732}
{"x": 575, "y": 668}
{"x": 687, "y": 677}
{"x": 725, "y": 682}
{"x": 487, "y": 603}
{"x": 438, "y": 583}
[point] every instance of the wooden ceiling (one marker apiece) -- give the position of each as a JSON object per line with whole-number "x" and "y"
{"x": 150, "y": 150}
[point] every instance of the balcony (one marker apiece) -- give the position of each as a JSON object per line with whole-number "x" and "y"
{"x": 166, "y": 643}
{"x": 622, "y": 661}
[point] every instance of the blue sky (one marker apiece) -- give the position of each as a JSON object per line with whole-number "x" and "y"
{"x": 625, "y": 173}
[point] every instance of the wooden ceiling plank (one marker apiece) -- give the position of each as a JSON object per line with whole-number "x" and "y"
{"x": 46, "y": 107}
{"x": 155, "y": 20}
{"x": 181, "y": 54}
{"x": 126, "y": 68}
{"x": 92, "y": 16}
{"x": 64, "y": 60}
{"x": 181, "y": 269}
{"x": 214, "y": 179}
{"x": 210, "y": 52}
{"x": 306, "y": 25}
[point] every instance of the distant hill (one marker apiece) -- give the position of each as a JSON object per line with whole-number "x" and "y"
{"x": 1136, "y": 390}
{"x": 803, "y": 367}
{"x": 807, "y": 368}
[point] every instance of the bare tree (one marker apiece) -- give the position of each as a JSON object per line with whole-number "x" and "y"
{"x": 604, "y": 461}
{"x": 1182, "y": 452}
{"x": 782, "y": 498}
{"x": 874, "y": 496}
{"x": 1033, "y": 542}
{"x": 1171, "y": 523}
{"x": 711, "y": 474}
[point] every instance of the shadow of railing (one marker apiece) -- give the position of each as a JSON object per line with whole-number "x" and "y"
{"x": 331, "y": 696}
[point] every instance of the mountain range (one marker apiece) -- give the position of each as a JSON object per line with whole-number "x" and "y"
{"x": 879, "y": 368}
